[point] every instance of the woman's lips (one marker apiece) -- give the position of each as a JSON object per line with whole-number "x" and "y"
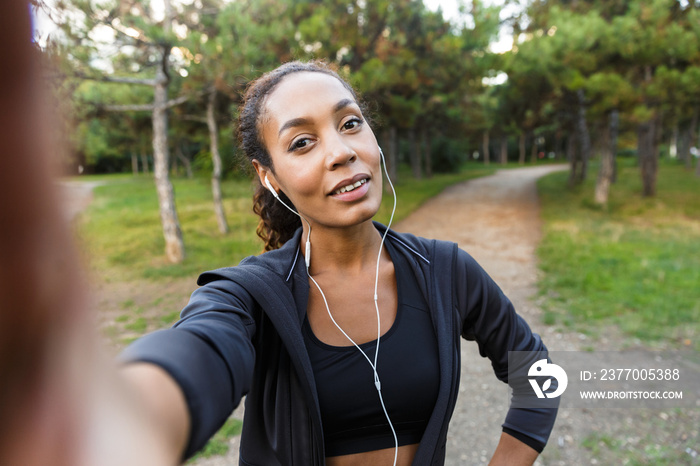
{"x": 355, "y": 193}
{"x": 350, "y": 186}
{"x": 349, "y": 183}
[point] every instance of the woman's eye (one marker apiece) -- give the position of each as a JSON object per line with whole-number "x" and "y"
{"x": 352, "y": 124}
{"x": 299, "y": 144}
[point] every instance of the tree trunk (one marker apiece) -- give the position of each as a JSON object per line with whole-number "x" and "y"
{"x": 504, "y": 150}
{"x": 425, "y": 142}
{"x": 414, "y": 155}
{"x": 144, "y": 160}
{"x": 684, "y": 147}
{"x": 521, "y": 149}
{"x": 216, "y": 162}
{"x": 583, "y": 135}
{"x": 185, "y": 161}
{"x": 648, "y": 157}
{"x": 485, "y": 147}
{"x": 572, "y": 157}
{"x": 673, "y": 143}
{"x": 134, "y": 164}
{"x": 386, "y": 143}
{"x": 390, "y": 156}
{"x": 602, "y": 187}
{"x": 558, "y": 144}
{"x": 174, "y": 245}
{"x": 693, "y": 137}
{"x": 614, "y": 131}
{"x": 533, "y": 150}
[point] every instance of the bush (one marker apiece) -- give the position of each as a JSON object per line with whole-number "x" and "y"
{"x": 448, "y": 155}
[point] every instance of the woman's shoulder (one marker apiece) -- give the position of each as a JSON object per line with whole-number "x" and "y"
{"x": 424, "y": 249}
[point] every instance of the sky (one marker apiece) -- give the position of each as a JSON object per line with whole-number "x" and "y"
{"x": 450, "y": 9}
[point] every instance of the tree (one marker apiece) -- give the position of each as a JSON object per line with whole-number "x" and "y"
{"x": 131, "y": 30}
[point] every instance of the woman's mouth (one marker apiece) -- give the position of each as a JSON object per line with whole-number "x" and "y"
{"x": 350, "y": 187}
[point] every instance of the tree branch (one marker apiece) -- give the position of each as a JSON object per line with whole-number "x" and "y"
{"x": 147, "y": 107}
{"x": 124, "y": 80}
{"x": 180, "y": 100}
{"x": 117, "y": 79}
{"x": 127, "y": 108}
{"x": 198, "y": 119}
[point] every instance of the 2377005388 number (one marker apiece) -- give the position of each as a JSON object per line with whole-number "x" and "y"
{"x": 640, "y": 374}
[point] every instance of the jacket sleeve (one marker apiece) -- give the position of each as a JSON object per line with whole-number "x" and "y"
{"x": 209, "y": 353}
{"x": 488, "y": 317}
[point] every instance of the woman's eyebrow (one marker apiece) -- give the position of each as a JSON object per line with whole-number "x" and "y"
{"x": 342, "y": 104}
{"x": 292, "y": 123}
{"x": 303, "y": 121}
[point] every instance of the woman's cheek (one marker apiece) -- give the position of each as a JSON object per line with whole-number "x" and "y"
{"x": 305, "y": 182}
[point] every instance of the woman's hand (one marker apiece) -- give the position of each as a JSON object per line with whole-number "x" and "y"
{"x": 512, "y": 452}
{"x": 61, "y": 401}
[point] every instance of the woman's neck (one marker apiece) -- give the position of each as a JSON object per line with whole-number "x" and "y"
{"x": 351, "y": 249}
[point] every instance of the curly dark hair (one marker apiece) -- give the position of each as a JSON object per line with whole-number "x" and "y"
{"x": 277, "y": 224}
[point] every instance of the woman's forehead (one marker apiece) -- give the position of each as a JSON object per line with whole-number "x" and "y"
{"x": 304, "y": 94}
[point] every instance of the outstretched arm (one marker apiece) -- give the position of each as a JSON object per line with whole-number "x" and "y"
{"x": 61, "y": 402}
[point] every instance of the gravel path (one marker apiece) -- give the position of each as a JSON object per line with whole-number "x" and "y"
{"x": 495, "y": 219}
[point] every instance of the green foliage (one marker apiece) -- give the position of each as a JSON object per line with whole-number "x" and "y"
{"x": 634, "y": 265}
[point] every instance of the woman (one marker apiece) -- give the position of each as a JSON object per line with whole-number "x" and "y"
{"x": 344, "y": 335}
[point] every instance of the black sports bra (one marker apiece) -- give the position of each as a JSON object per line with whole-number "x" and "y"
{"x": 352, "y": 415}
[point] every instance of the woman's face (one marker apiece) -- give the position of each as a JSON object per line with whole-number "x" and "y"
{"x": 324, "y": 154}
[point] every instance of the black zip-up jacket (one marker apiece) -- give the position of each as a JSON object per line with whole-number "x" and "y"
{"x": 241, "y": 333}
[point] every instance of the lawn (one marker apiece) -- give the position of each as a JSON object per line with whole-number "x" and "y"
{"x": 634, "y": 265}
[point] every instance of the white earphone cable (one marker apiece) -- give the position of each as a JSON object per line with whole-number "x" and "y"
{"x": 377, "y": 382}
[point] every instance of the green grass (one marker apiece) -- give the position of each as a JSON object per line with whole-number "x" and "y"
{"x": 139, "y": 325}
{"x": 123, "y": 238}
{"x": 666, "y": 439}
{"x": 634, "y": 264}
{"x": 219, "y": 443}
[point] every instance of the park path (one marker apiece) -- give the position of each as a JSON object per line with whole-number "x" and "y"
{"x": 76, "y": 196}
{"x": 496, "y": 220}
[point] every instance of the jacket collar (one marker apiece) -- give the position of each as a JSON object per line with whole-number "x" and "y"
{"x": 296, "y": 264}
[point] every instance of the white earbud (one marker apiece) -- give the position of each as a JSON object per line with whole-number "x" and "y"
{"x": 272, "y": 190}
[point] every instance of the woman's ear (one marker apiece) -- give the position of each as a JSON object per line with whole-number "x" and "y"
{"x": 265, "y": 173}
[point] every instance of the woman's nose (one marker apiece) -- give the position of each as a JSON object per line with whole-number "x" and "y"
{"x": 339, "y": 153}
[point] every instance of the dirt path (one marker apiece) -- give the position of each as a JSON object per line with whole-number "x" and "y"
{"x": 495, "y": 219}
{"x": 76, "y": 196}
